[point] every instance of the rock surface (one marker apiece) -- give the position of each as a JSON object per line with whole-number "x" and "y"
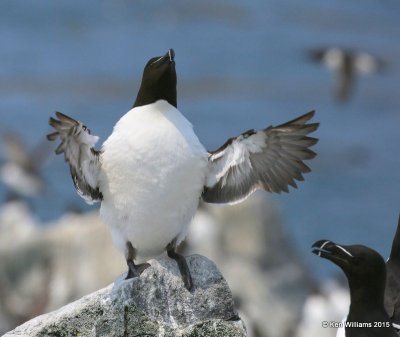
{"x": 252, "y": 248}
{"x": 156, "y": 304}
{"x": 45, "y": 266}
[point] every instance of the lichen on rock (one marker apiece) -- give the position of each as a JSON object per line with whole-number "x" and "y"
{"x": 156, "y": 304}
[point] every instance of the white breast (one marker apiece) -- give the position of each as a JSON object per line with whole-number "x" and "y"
{"x": 153, "y": 171}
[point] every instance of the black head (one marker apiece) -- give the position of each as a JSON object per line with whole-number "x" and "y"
{"x": 357, "y": 262}
{"x": 158, "y": 81}
{"x": 366, "y": 273}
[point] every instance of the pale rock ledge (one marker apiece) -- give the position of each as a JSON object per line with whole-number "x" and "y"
{"x": 156, "y": 304}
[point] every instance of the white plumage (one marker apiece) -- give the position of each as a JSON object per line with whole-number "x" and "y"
{"x": 153, "y": 171}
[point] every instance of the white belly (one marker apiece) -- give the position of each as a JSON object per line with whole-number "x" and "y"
{"x": 153, "y": 169}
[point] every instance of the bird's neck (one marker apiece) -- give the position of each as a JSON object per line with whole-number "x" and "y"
{"x": 146, "y": 96}
{"x": 367, "y": 296}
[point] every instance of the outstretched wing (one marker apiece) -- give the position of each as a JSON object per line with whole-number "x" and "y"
{"x": 84, "y": 161}
{"x": 367, "y": 64}
{"x": 269, "y": 159}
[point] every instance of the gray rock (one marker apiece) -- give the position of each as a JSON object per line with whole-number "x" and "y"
{"x": 45, "y": 266}
{"x": 156, "y": 304}
{"x": 253, "y": 249}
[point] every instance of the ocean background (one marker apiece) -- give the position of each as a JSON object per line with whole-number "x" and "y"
{"x": 240, "y": 65}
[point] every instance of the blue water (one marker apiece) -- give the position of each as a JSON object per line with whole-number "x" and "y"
{"x": 240, "y": 65}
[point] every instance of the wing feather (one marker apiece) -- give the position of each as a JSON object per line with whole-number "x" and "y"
{"x": 270, "y": 159}
{"x": 77, "y": 144}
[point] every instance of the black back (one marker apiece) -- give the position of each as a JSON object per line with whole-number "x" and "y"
{"x": 392, "y": 291}
{"x": 366, "y": 275}
{"x": 158, "y": 81}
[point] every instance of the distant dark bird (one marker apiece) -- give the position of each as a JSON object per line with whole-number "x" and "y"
{"x": 20, "y": 171}
{"x": 347, "y": 65}
{"x": 365, "y": 270}
{"x": 152, "y": 171}
{"x": 392, "y": 292}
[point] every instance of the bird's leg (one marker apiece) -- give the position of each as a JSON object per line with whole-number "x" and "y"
{"x": 134, "y": 269}
{"x": 182, "y": 264}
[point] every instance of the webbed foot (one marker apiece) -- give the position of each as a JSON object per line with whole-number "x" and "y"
{"x": 135, "y": 270}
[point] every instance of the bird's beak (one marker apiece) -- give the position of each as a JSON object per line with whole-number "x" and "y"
{"x": 170, "y": 54}
{"x": 338, "y": 254}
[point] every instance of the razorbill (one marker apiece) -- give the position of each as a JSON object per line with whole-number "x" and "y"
{"x": 20, "y": 171}
{"x": 392, "y": 291}
{"x": 347, "y": 65}
{"x": 152, "y": 171}
{"x": 365, "y": 270}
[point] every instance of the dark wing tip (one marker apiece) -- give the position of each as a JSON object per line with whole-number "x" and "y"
{"x": 62, "y": 125}
{"x": 52, "y": 136}
{"x": 311, "y": 141}
{"x": 55, "y": 123}
{"x": 311, "y": 112}
{"x": 313, "y": 126}
{"x": 66, "y": 119}
{"x": 304, "y": 118}
{"x": 60, "y": 114}
{"x": 62, "y": 121}
{"x": 60, "y": 148}
{"x": 301, "y": 120}
{"x": 307, "y": 154}
{"x": 292, "y": 183}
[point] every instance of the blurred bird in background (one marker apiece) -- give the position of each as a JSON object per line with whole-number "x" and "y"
{"x": 20, "y": 169}
{"x": 347, "y": 65}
